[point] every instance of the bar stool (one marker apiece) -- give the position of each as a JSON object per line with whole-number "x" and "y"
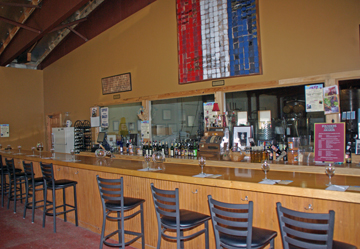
{"x": 233, "y": 227}
{"x": 171, "y": 218}
{"x": 32, "y": 185}
{"x": 308, "y": 230}
{"x": 113, "y": 200}
{"x": 16, "y": 181}
{"x": 50, "y": 182}
{"x": 4, "y": 185}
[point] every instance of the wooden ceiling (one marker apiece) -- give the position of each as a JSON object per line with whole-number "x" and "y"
{"x": 36, "y": 33}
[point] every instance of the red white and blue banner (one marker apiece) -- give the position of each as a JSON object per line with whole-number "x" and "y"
{"x": 217, "y": 39}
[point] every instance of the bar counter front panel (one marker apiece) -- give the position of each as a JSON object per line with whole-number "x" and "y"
{"x": 235, "y": 185}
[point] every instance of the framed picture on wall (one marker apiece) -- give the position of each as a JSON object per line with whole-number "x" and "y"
{"x": 166, "y": 114}
{"x": 116, "y": 124}
{"x": 131, "y": 126}
{"x": 241, "y": 135}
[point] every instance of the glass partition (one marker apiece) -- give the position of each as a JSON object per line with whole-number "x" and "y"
{"x": 273, "y": 115}
{"x": 124, "y": 124}
{"x": 178, "y": 119}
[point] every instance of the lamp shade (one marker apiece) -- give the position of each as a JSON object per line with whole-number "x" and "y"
{"x": 216, "y": 107}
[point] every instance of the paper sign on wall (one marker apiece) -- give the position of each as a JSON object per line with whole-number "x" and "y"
{"x": 104, "y": 112}
{"x": 4, "y": 130}
{"x": 145, "y": 129}
{"x": 314, "y": 98}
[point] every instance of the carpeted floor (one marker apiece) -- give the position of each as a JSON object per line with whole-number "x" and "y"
{"x": 18, "y": 233}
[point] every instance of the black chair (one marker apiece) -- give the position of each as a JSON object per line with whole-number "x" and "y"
{"x": 113, "y": 200}
{"x": 308, "y": 230}
{"x": 50, "y": 183}
{"x": 32, "y": 185}
{"x": 172, "y": 219}
{"x": 16, "y": 181}
{"x": 233, "y": 226}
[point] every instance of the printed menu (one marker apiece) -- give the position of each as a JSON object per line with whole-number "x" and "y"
{"x": 330, "y": 142}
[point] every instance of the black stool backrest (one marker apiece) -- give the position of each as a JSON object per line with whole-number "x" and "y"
{"x": 47, "y": 172}
{"x": 111, "y": 190}
{"x": 1, "y": 161}
{"x": 166, "y": 204}
{"x": 10, "y": 165}
{"x": 231, "y": 219}
{"x": 29, "y": 171}
{"x": 307, "y": 230}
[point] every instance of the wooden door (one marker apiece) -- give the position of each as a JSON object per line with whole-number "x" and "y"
{"x": 52, "y": 120}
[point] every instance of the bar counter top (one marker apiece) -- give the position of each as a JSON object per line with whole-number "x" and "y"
{"x": 237, "y": 183}
{"x": 307, "y": 181}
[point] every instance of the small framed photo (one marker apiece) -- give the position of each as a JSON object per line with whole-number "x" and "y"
{"x": 131, "y": 126}
{"x": 241, "y": 135}
{"x": 116, "y": 124}
{"x": 166, "y": 114}
{"x": 357, "y": 147}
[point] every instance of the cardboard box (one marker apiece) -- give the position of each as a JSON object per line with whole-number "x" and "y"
{"x": 161, "y": 130}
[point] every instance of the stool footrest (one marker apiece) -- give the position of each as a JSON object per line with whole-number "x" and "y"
{"x": 138, "y": 236}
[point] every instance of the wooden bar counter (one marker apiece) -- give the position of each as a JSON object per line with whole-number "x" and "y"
{"x": 236, "y": 185}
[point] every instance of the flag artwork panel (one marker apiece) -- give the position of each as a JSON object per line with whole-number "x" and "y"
{"x": 217, "y": 39}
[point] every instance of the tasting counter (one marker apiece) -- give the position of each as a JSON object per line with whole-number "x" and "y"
{"x": 232, "y": 182}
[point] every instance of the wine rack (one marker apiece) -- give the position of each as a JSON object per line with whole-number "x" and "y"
{"x": 82, "y": 130}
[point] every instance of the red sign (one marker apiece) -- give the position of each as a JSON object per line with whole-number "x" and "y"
{"x": 330, "y": 142}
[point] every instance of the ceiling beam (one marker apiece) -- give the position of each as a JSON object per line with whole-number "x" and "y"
{"x": 109, "y": 13}
{"x": 69, "y": 24}
{"x": 51, "y": 14}
{"x": 20, "y": 5}
{"x": 18, "y": 24}
{"x": 78, "y": 34}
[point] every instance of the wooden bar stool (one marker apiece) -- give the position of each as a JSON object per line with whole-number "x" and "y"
{"x": 173, "y": 219}
{"x": 50, "y": 183}
{"x": 308, "y": 230}
{"x": 113, "y": 200}
{"x": 32, "y": 185}
{"x": 16, "y": 181}
{"x": 233, "y": 227}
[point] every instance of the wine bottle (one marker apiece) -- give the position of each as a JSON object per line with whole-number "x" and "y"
{"x": 172, "y": 150}
{"x": 348, "y": 153}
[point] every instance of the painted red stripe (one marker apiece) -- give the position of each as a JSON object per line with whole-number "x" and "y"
{"x": 189, "y": 41}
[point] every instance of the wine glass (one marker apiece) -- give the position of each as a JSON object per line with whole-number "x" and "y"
{"x": 265, "y": 166}
{"x": 52, "y": 150}
{"x": 40, "y": 147}
{"x": 9, "y": 148}
{"x": 72, "y": 152}
{"x": 33, "y": 150}
{"x": 330, "y": 171}
{"x": 202, "y": 162}
{"x": 19, "y": 147}
{"x": 147, "y": 158}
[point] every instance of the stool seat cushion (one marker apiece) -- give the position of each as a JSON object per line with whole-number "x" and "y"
{"x": 62, "y": 183}
{"x": 20, "y": 174}
{"x": 336, "y": 245}
{"x": 187, "y": 219}
{"x": 129, "y": 203}
{"x": 260, "y": 237}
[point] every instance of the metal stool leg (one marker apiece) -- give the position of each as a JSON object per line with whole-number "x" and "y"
{"x": 64, "y": 202}
{"x": 26, "y": 197}
{"x": 45, "y": 202}
{"x": 142, "y": 227}
{"x": 54, "y": 208}
{"x": 207, "y": 235}
{"x": 75, "y": 205}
